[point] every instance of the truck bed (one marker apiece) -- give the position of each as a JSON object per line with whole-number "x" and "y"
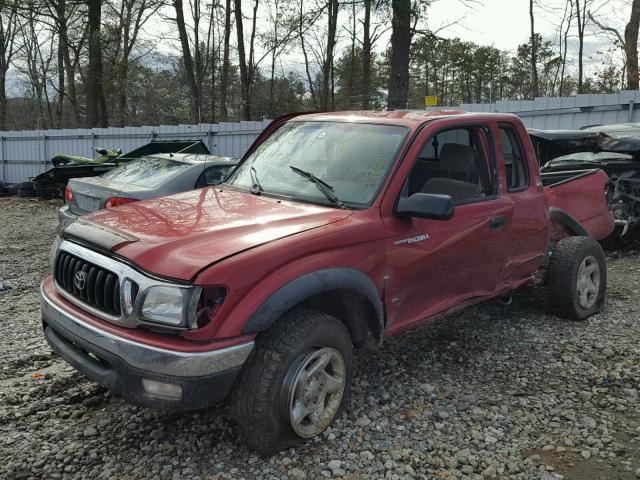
{"x": 580, "y": 194}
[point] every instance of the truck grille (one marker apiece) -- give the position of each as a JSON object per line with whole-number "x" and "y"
{"x": 97, "y": 287}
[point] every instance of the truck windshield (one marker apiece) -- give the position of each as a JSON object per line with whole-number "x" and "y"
{"x": 350, "y": 160}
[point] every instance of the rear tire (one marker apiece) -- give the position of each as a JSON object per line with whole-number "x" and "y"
{"x": 577, "y": 278}
{"x": 295, "y": 383}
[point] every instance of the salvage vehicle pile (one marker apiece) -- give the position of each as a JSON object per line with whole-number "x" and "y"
{"x": 613, "y": 148}
{"x": 335, "y": 232}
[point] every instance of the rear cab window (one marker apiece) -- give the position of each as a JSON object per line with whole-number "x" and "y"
{"x": 515, "y": 163}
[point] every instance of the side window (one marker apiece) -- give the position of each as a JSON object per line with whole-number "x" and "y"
{"x": 453, "y": 162}
{"x": 515, "y": 164}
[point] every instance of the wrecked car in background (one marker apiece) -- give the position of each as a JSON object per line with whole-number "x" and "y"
{"x": 147, "y": 177}
{"x": 613, "y": 148}
{"x": 51, "y": 184}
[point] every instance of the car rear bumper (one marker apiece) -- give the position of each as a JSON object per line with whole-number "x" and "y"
{"x": 64, "y": 213}
{"x": 195, "y": 379}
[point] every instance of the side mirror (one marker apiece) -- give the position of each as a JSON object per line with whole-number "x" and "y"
{"x": 426, "y": 205}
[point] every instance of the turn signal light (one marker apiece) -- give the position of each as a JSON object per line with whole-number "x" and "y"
{"x": 117, "y": 201}
{"x": 68, "y": 194}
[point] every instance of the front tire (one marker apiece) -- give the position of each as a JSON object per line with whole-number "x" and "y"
{"x": 577, "y": 278}
{"x": 295, "y": 383}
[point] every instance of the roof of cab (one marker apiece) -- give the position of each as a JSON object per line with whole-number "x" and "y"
{"x": 397, "y": 117}
{"x": 195, "y": 158}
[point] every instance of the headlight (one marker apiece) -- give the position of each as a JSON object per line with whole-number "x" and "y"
{"x": 54, "y": 251}
{"x": 169, "y": 305}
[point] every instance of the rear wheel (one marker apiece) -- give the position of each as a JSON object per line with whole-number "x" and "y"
{"x": 577, "y": 277}
{"x": 295, "y": 383}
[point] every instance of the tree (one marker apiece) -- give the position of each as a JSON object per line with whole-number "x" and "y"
{"x": 224, "y": 80}
{"x": 96, "y": 104}
{"x": 631, "y": 46}
{"x": 36, "y": 45}
{"x": 581, "y": 19}
{"x": 129, "y": 16}
{"x": 196, "y": 52}
{"x": 326, "y": 91}
{"x": 8, "y": 31}
{"x": 366, "y": 55}
{"x": 535, "y": 88}
{"x": 400, "y": 46}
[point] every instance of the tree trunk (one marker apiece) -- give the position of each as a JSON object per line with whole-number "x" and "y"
{"x": 564, "y": 53}
{"x": 123, "y": 84}
{"x": 366, "y": 56}
{"x": 631, "y": 46}
{"x": 96, "y": 105}
{"x": 224, "y": 81}
{"x": 306, "y": 56}
{"x": 60, "y": 60}
{"x": 3, "y": 101}
{"x": 580, "y": 16}
{"x": 274, "y": 56}
{"x": 242, "y": 58}
{"x": 535, "y": 88}
{"x": 400, "y": 45}
{"x": 327, "y": 89}
{"x": 187, "y": 60}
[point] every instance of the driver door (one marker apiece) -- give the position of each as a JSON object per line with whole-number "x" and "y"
{"x": 435, "y": 265}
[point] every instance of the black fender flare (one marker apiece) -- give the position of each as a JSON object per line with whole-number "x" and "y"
{"x": 563, "y": 218}
{"x": 314, "y": 283}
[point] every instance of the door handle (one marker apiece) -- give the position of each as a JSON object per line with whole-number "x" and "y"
{"x": 497, "y": 222}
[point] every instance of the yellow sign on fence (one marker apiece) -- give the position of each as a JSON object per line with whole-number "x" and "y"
{"x": 430, "y": 100}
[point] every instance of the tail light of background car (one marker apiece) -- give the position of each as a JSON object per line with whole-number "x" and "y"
{"x": 117, "y": 201}
{"x": 68, "y": 194}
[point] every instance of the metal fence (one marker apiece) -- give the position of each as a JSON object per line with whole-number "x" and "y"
{"x": 25, "y": 154}
{"x": 550, "y": 113}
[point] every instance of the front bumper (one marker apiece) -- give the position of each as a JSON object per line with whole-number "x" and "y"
{"x": 65, "y": 214}
{"x": 204, "y": 378}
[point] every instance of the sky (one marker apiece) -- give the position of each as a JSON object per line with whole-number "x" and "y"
{"x": 505, "y": 23}
{"x": 502, "y": 23}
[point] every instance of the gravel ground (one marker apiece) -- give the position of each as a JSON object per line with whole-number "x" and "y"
{"x": 497, "y": 391}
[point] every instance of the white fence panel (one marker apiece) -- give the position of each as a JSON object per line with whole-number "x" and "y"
{"x": 25, "y": 154}
{"x": 550, "y": 113}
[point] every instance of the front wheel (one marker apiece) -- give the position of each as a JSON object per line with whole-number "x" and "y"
{"x": 577, "y": 277}
{"x": 295, "y": 383}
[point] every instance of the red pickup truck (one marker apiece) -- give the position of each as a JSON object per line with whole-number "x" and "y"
{"x": 335, "y": 230}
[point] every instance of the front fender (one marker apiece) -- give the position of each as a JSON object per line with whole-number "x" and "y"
{"x": 308, "y": 285}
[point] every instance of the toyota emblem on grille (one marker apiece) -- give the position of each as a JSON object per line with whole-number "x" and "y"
{"x": 80, "y": 279}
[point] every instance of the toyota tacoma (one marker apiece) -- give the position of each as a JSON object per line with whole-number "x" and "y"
{"x": 335, "y": 230}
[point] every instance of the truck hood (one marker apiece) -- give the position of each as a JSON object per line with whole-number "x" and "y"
{"x": 179, "y": 235}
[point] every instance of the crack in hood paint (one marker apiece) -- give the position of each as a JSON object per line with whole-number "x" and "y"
{"x": 179, "y": 235}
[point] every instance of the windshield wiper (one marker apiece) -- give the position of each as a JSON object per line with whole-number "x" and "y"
{"x": 256, "y": 188}
{"x": 324, "y": 187}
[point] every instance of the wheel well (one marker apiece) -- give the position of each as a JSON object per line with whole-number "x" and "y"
{"x": 565, "y": 222}
{"x": 350, "y": 307}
